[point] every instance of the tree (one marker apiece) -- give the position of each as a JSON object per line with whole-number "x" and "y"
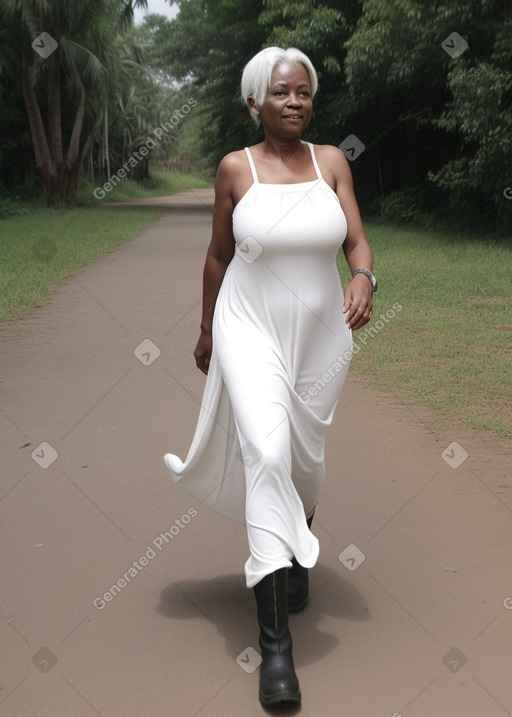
{"x": 480, "y": 115}
{"x": 73, "y": 64}
{"x": 416, "y": 105}
{"x": 206, "y": 48}
{"x": 321, "y": 30}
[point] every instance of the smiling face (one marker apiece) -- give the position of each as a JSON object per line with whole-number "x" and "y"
{"x": 288, "y": 105}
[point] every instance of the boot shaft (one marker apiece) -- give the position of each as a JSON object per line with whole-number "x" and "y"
{"x": 272, "y": 604}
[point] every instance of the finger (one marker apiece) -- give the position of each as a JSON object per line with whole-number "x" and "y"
{"x": 359, "y": 325}
{"x": 360, "y": 317}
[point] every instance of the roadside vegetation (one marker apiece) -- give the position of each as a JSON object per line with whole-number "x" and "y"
{"x": 449, "y": 346}
{"x": 424, "y": 88}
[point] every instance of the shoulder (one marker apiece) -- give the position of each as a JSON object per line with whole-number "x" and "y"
{"x": 331, "y": 156}
{"x": 334, "y": 166}
{"x": 232, "y": 164}
{"x": 232, "y": 171}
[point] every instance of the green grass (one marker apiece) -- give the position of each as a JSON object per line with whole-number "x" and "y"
{"x": 158, "y": 184}
{"x": 450, "y": 346}
{"x": 41, "y": 247}
{"x": 45, "y": 247}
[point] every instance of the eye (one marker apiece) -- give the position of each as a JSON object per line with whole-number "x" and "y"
{"x": 279, "y": 92}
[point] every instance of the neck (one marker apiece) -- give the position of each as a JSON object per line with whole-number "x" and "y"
{"x": 282, "y": 149}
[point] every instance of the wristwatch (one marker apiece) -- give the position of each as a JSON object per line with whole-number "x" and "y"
{"x": 369, "y": 274}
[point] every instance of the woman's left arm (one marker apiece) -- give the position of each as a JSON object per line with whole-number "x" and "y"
{"x": 358, "y": 253}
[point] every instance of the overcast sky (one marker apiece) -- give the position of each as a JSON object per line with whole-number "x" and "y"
{"x": 156, "y": 6}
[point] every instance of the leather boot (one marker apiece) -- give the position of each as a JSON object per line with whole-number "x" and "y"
{"x": 298, "y": 583}
{"x": 278, "y": 681}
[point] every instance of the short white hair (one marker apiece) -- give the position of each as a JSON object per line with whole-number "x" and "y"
{"x": 257, "y": 73}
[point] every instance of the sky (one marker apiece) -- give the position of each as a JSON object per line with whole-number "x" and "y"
{"x": 160, "y": 7}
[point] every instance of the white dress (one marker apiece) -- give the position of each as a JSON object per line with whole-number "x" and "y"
{"x": 281, "y": 352}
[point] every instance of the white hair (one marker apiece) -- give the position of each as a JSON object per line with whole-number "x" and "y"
{"x": 257, "y": 73}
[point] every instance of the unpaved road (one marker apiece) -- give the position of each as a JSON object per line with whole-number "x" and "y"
{"x": 120, "y": 597}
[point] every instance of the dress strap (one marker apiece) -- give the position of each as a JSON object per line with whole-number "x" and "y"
{"x": 315, "y": 163}
{"x": 251, "y": 164}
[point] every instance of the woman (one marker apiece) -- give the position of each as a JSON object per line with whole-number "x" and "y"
{"x": 275, "y": 343}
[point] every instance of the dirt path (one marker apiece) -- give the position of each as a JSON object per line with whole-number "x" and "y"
{"x": 120, "y": 597}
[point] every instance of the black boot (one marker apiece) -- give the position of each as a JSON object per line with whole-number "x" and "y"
{"x": 298, "y": 584}
{"x": 278, "y": 681}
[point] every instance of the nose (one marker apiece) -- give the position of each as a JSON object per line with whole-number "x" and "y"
{"x": 294, "y": 100}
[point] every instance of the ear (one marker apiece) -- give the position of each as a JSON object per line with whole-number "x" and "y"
{"x": 251, "y": 104}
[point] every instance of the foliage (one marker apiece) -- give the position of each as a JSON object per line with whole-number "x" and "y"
{"x": 10, "y": 208}
{"x": 405, "y": 206}
{"x": 88, "y": 101}
{"x": 437, "y": 126}
{"x": 430, "y": 118}
{"x": 206, "y": 46}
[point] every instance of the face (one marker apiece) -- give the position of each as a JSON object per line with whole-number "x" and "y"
{"x": 288, "y": 104}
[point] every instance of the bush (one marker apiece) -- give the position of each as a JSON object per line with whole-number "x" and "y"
{"x": 404, "y": 207}
{"x": 11, "y": 208}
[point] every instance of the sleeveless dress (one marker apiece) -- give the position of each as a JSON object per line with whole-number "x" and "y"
{"x": 281, "y": 352}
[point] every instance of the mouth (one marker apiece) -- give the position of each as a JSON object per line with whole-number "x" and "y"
{"x": 293, "y": 117}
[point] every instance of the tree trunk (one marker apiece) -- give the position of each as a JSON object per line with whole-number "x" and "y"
{"x": 54, "y": 107}
{"x": 60, "y": 178}
{"x": 44, "y": 160}
{"x": 72, "y": 164}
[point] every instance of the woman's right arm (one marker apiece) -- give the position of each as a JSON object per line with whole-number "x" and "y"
{"x": 219, "y": 254}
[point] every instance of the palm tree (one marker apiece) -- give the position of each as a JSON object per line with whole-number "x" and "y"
{"x": 66, "y": 50}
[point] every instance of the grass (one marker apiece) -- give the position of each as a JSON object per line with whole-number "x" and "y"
{"x": 450, "y": 345}
{"x": 42, "y": 247}
{"x": 158, "y": 184}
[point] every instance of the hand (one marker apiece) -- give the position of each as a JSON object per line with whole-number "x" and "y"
{"x": 203, "y": 351}
{"x": 358, "y": 302}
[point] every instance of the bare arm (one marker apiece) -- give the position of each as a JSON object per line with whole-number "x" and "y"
{"x": 358, "y": 253}
{"x": 219, "y": 254}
